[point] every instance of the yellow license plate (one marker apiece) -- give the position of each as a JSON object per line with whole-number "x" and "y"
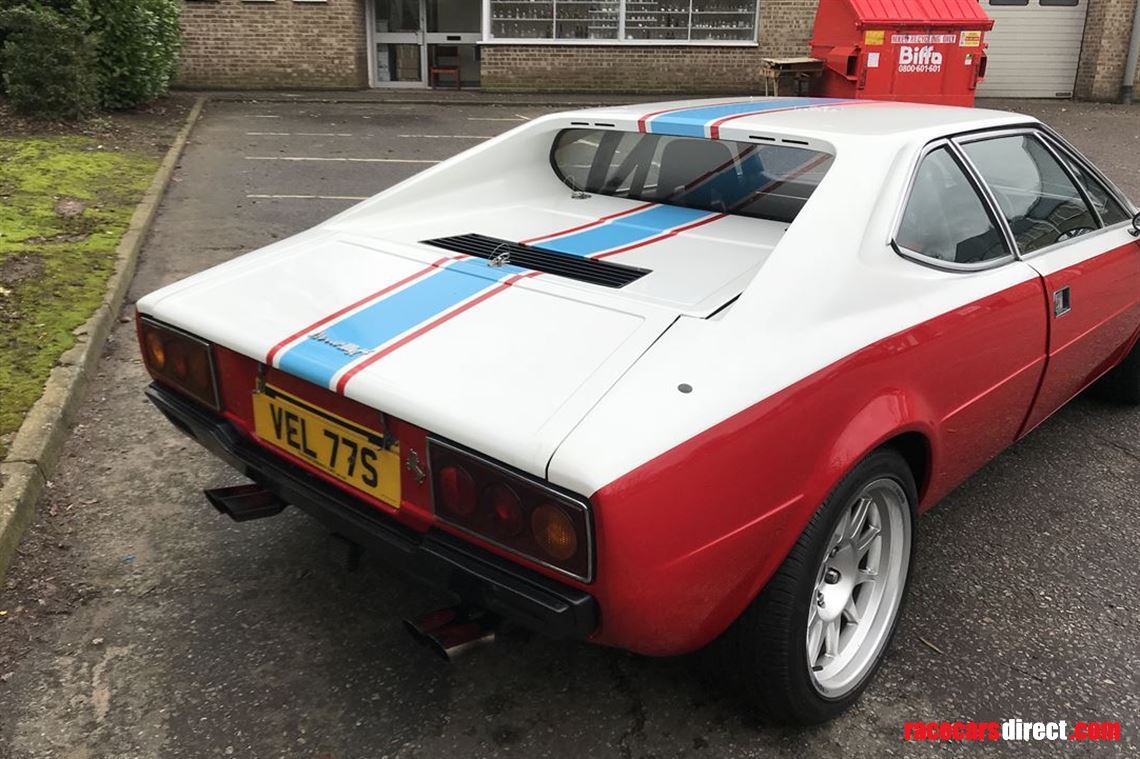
{"x": 353, "y": 454}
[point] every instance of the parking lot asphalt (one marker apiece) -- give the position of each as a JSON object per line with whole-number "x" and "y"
{"x": 137, "y": 622}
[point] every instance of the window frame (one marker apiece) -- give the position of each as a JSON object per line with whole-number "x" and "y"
{"x": 1064, "y": 149}
{"x": 1057, "y": 146}
{"x": 989, "y": 205}
{"x": 1040, "y": 136}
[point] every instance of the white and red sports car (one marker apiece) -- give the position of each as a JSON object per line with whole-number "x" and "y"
{"x": 655, "y": 375}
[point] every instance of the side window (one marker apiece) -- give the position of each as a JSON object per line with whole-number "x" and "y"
{"x": 1040, "y": 202}
{"x": 945, "y": 219}
{"x": 1109, "y": 209}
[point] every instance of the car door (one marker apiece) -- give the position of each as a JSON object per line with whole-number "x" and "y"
{"x": 1069, "y": 226}
{"x": 991, "y": 351}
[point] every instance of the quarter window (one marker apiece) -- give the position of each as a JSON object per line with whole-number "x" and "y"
{"x": 1040, "y": 202}
{"x": 945, "y": 219}
{"x": 1106, "y": 205}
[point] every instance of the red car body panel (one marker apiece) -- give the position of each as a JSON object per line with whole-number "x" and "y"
{"x": 672, "y": 573}
{"x": 1093, "y": 337}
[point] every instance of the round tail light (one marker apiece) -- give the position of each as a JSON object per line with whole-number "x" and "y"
{"x": 156, "y": 351}
{"x": 457, "y": 490}
{"x": 505, "y": 508}
{"x": 554, "y": 532}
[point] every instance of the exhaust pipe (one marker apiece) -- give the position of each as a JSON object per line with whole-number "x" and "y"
{"x": 245, "y": 502}
{"x": 454, "y": 631}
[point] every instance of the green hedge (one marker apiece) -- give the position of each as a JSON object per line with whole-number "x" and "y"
{"x": 138, "y": 49}
{"x": 48, "y": 64}
{"x": 61, "y": 59}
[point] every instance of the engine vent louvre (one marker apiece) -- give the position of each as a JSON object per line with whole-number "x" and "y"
{"x": 605, "y": 273}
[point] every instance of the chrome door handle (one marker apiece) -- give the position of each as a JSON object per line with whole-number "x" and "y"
{"x": 1062, "y": 301}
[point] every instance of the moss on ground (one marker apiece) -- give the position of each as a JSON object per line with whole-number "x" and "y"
{"x": 64, "y": 204}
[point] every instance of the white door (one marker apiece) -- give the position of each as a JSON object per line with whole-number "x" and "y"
{"x": 1034, "y": 47}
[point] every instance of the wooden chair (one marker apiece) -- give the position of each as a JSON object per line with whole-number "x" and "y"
{"x": 445, "y": 61}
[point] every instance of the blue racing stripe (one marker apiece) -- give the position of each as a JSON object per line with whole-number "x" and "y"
{"x": 624, "y": 231}
{"x": 694, "y": 122}
{"x": 319, "y": 357}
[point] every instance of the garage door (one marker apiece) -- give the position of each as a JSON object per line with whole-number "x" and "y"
{"x": 1034, "y": 47}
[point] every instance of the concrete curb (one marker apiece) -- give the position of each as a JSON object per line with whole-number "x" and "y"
{"x": 38, "y": 443}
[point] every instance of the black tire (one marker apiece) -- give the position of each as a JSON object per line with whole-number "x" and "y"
{"x": 1122, "y": 384}
{"x": 765, "y": 648}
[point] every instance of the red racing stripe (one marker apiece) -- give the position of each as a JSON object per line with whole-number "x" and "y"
{"x": 348, "y": 375}
{"x": 714, "y": 127}
{"x": 660, "y": 237}
{"x": 333, "y": 316}
{"x": 595, "y": 223}
{"x": 643, "y": 122}
{"x": 503, "y": 286}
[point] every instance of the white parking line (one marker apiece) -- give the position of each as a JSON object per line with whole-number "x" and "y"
{"x": 450, "y": 136}
{"x": 489, "y": 118}
{"x": 265, "y": 116}
{"x": 298, "y": 134}
{"x": 338, "y": 160}
{"x": 308, "y": 197}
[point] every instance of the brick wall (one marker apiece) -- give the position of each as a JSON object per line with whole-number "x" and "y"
{"x": 285, "y": 44}
{"x": 619, "y": 68}
{"x": 1107, "y": 31}
{"x": 281, "y": 44}
{"x": 785, "y": 30}
{"x": 785, "y": 27}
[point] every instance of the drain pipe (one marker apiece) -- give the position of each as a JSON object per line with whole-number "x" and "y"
{"x": 1133, "y": 55}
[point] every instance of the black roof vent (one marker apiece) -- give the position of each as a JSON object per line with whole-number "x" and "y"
{"x": 605, "y": 273}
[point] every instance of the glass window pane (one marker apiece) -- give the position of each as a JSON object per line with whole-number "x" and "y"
{"x": 398, "y": 63}
{"x": 454, "y": 16}
{"x": 588, "y": 20}
{"x": 1110, "y": 211}
{"x": 519, "y": 19}
{"x": 944, "y": 217}
{"x": 1041, "y": 203}
{"x": 666, "y": 20}
{"x": 762, "y": 181}
{"x": 397, "y": 16}
{"x": 663, "y": 20}
{"x": 724, "y": 20}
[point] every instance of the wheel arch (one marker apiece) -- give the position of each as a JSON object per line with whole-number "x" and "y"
{"x": 896, "y": 419}
{"x": 915, "y": 448}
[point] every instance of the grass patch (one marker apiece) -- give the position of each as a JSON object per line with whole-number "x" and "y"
{"x": 64, "y": 203}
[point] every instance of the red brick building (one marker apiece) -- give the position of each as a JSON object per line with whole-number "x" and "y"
{"x": 1039, "y": 48}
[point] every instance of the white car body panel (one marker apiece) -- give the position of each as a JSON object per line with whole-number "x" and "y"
{"x": 553, "y": 376}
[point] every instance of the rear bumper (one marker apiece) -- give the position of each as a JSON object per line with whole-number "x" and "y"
{"x": 435, "y": 558}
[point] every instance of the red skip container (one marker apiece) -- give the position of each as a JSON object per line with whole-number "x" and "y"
{"x": 925, "y": 51}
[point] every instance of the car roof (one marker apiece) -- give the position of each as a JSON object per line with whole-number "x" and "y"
{"x": 823, "y": 118}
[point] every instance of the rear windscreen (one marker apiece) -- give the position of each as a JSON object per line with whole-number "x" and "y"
{"x": 764, "y": 181}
